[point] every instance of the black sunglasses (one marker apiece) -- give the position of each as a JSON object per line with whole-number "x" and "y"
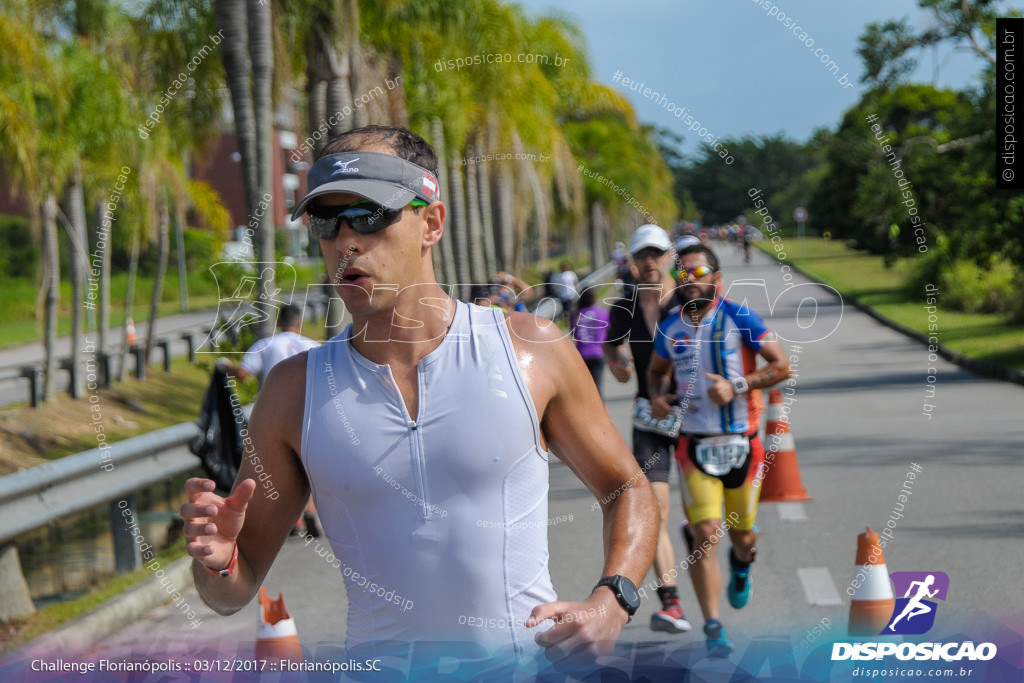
{"x": 363, "y": 217}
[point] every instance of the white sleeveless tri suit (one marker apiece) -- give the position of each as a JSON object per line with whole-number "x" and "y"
{"x": 447, "y": 510}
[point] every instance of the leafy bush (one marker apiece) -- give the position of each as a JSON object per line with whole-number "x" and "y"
{"x": 19, "y": 255}
{"x": 967, "y": 286}
{"x": 202, "y": 248}
{"x": 929, "y": 268}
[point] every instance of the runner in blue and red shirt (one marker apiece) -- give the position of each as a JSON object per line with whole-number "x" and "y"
{"x": 712, "y": 345}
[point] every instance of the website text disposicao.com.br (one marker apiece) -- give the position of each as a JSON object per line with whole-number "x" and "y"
{"x": 499, "y": 58}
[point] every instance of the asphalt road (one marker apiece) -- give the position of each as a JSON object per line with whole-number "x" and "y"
{"x": 859, "y": 424}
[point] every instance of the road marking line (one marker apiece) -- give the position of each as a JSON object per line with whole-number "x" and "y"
{"x": 792, "y": 512}
{"x": 818, "y": 586}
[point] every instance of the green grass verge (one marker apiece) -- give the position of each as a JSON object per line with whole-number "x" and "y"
{"x": 984, "y": 336}
{"x": 20, "y": 632}
{"x": 22, "y": 320}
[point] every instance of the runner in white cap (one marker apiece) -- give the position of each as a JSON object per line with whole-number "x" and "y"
{"x": 635, "y": 319}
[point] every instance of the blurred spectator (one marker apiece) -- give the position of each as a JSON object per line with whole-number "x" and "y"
{"x": 589, "y": 330}
{"x": 486, "y": 296}
{"x": 504, "y": 291}
{"x": 565, "y": 287}
{"x": 514, "y": 293}
{"x": 624, "y": 268}
{"x": 619, "y": 254}
{"x": 269, "y": 351}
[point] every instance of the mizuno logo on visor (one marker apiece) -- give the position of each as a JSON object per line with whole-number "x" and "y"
{"x": 342, "y": 166}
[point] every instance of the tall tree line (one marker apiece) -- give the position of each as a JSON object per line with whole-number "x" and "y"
{"x": 93, "y": 99}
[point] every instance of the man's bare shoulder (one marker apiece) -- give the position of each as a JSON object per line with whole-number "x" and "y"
{"x": 287, "y": 373}
{"x": 282, "y": 398}
{"x": 528, "y": 329}
{"x": 546, "y": 354}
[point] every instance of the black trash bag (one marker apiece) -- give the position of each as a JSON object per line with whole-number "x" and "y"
{"x": 219, "y": 444}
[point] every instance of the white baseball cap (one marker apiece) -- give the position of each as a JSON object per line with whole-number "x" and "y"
{"x": 686, "y": 241}
{"x": 649, "y": 236}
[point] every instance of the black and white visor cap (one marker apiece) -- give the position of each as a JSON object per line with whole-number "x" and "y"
{"x": 383, "y": 179}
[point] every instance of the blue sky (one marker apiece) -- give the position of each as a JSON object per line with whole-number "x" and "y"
{"x": 738, "y": 70}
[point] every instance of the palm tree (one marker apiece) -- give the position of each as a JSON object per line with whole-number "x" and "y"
{"x": 504, "y": 224}
{"x": 129, "y": 300}
{"x": 446, "y": 253}
{"x": 245, "y": 25}
{"x": 335, "y": 67}
{"x": 495, "y": 107}
{"x": 487, "y": 217}
{"x": 459, "y": 223}
{"x": 164, "y": 249}
{"x": 170, "y": 33}
{"x": 74, "y": 202}
{"x": 94, "y": 62}
{"x": 35, "y": 105}
{"x": 477, "y": 260}
{"x": 261, "y": 57}
{"x": 51, "y": 293}
{"x": 98, "y": 134}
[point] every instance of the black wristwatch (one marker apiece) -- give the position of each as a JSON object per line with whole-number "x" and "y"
{"x": 625, "y": 592}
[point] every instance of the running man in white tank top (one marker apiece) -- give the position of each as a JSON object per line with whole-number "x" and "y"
{"x": 423, "y": 433}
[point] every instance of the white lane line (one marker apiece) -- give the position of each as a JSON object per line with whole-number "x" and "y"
{"x": 792, "y": 512}
{"x": 818, "y": 586}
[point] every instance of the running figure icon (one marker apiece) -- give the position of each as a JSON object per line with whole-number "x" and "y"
{"x": 915, "y": 606}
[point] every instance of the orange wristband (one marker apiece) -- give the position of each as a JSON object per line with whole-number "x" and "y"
{"x": 228, "y": 570}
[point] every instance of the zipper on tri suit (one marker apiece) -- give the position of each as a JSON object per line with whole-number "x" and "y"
{"x": 419, "y": 469}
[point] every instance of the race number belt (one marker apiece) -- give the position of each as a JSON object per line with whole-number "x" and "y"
{"x": 667, "y": 426}
{"x": 717, "y": 455}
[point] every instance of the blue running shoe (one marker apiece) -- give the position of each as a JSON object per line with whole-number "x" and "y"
{"x": 739, "y": 588}
{"x": 739, "y": 583}
{"x": 718, "y": 644}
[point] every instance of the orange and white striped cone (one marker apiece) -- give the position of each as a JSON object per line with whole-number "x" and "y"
{"x": 873, "y": 602}
{"x": 129, "y": 331}
{"x": 781, "y": 482}
{"x": 276, "y": 635}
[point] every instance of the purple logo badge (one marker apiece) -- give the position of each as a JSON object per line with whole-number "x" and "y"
{"x": 914, "y": 613}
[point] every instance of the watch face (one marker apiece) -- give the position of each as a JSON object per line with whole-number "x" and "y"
{"x": 629, "y": 593}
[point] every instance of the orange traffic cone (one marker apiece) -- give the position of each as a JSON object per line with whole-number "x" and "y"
{"x": 781, "y": 479}
{"x": 873, "y": 602}
{"x": 276, "y": 636}
{"x": 129, "y": 330}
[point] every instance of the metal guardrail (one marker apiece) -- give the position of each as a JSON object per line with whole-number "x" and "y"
{"x": 40, "y": 495}
{"x": 43, "y": 494}
{"x": 32, "y": 370}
